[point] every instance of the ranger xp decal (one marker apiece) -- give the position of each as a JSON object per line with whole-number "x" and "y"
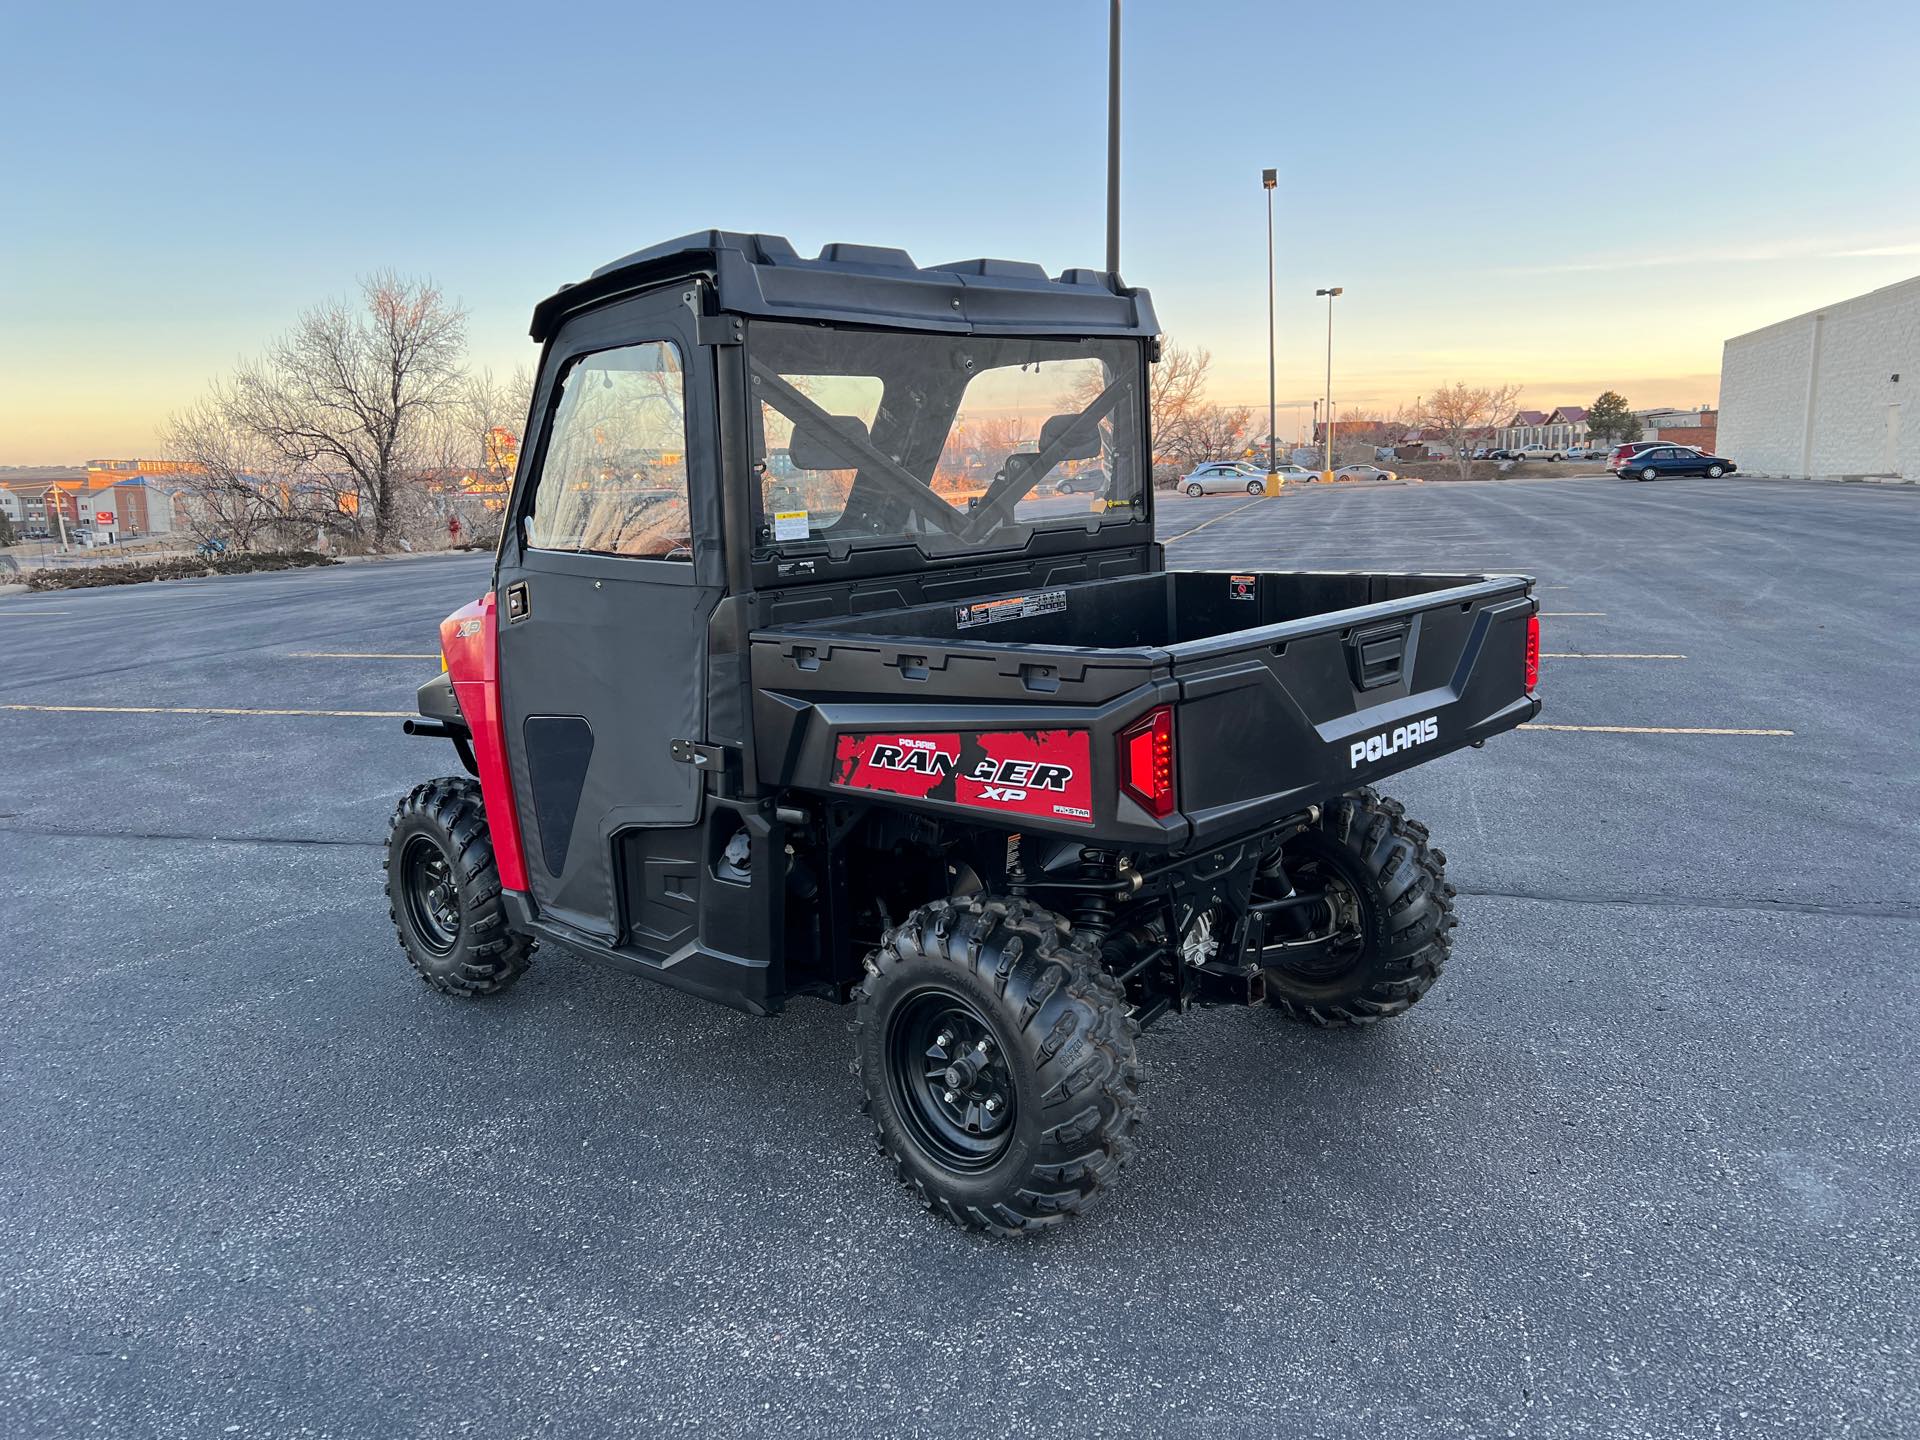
{"x": 1043, "y": 773}
{"x": 1392, "y": 742}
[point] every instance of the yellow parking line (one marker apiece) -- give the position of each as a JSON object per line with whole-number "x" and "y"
{"x": 208, "y": 710}
{"x": 1601, "y": 655}
{"x": 354, "y": 655}
{"x": 1652, "y": 729}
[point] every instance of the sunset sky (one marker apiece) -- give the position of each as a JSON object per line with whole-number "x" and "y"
{"x": 1567, "y": 197}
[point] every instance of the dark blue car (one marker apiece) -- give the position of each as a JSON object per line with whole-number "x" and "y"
{"x": 1662, "y": 461}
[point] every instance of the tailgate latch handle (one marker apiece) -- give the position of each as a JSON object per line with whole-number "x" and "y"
{"x": 1376, "y": 656}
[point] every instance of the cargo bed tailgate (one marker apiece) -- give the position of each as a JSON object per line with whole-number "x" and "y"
{"x": 1279, "y": 716}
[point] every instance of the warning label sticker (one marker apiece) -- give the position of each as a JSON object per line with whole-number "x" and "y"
{"x": 1243, "y": 587}
{"x": 1009, "y": 607}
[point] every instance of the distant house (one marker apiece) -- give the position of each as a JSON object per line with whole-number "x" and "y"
{"x": 1562, "y": 428}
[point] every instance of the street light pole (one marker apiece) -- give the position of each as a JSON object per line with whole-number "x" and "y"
{"x": 1330, "y": 293}
{"x": 1268, "y": 179}
{"x": 1113, "y": 145}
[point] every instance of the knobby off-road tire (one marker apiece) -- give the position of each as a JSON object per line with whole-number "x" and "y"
{"x": 1058, "y": 1063}
{"x": 1392, "y": 933}
{"x": 443, "y": 892}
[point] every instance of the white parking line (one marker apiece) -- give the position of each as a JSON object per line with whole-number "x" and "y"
{"x": 1599, "y": 655}
{"x": 1651, "y": 729}
{"x": 208, "y": 710}
{"x": 354, "y": 655}
{"x": 1573, "y": 614}
{"x": 1214, "y": 521}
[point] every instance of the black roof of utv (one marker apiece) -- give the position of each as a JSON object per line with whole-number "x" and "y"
{"x": 866, "y": 284}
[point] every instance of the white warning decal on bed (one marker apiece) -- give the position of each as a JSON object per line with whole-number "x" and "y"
{"x": 1009, "y": 607}
{"x": 1392, "y": 742}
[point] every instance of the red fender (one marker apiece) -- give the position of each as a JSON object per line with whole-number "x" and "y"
{"x": 470, "y": 641}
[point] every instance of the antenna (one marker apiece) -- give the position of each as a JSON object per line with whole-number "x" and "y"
{"x": 1113, "y": 147}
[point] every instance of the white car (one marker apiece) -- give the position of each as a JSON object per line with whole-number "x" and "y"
{"x": 1539, "y": 452}
{"x": 1224, "y": 477}
{"x": 1364, "y": 472}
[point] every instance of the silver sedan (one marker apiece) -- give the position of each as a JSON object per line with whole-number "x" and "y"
{"x": 1224, "y": 477}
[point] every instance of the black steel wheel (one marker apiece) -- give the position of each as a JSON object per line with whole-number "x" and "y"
{"x": 997, "y": 1060}
{"x": 949, "y": 1069}
{"x": 443, "y": 892}
{"x": 1380, "y": 934}
{"x": 430, "y": 895}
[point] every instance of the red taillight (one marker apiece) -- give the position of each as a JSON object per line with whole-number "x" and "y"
{"x": 1533, "y": 651}
{"x": 1146, "y": 761}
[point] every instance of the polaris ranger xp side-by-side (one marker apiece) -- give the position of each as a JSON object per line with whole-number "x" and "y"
{"x": 830, "y": 652}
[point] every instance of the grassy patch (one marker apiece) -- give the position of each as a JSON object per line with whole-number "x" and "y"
{"x": 179, "y": 567}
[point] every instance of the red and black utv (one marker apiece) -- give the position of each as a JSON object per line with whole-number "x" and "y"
{"x": 830, "y": 652}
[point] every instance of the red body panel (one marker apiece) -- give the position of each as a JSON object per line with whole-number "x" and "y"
{"x": 1043, "y": 773}
{"x": 470, "y": 639}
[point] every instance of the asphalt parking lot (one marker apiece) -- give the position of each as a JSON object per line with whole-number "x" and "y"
{"x": 1642, "y": 1165}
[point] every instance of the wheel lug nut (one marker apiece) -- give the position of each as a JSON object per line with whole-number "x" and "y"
{"x": 981, "y": 1047}
{"x": 949, "y": 1097}
{"x": 993, "y": 1102}
{"x": 944, "y": 1040}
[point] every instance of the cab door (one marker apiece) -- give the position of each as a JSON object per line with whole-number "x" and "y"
{"x": 607, "y": 579}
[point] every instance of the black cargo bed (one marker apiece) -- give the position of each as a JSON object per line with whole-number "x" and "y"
{"x": 1275, "y": 678}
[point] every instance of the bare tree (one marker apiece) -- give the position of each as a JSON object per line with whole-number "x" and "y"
{"x": 1462, "y": 413}
{"x": 1209, "y": 432}
{"x": 235, "y": 493}
{"x": 1176, "y": 395}
{"x": 1176, "y": 388}
{"x": 348, "y": 399}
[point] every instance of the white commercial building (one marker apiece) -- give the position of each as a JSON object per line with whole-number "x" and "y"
{"x": 1823, "y": 394}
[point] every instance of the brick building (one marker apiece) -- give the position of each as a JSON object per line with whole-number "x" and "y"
{"x": 1826, "y": 393}
{"x": 1699, "y": 427}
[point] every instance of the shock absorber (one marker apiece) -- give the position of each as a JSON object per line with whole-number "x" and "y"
{"x": 1092, "y": 910}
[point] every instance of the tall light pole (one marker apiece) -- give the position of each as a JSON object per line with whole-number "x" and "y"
{"x": 1330, "y": 293}
{"x": 1268, "y": 179}
{"x": 1113, "y": 145}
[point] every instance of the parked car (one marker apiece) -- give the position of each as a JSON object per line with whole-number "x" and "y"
{"x": 1623, "y": 453}
{"x": 1295, "y": 473}
{"x": 1491, "y": 453}
{"x": 1585, "y": 452}
{"x": 1223, "y": 477}
{"x": 1661, "y": 461}
{"x": 1539, "y": 452}
{"x": 1087, "y": 482}
{"x": 1364, "y": 472}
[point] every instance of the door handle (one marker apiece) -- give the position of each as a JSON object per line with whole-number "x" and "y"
{"x": 518, "y": 602}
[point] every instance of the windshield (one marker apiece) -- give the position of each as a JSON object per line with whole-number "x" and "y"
{"x": 952, "y": 442}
